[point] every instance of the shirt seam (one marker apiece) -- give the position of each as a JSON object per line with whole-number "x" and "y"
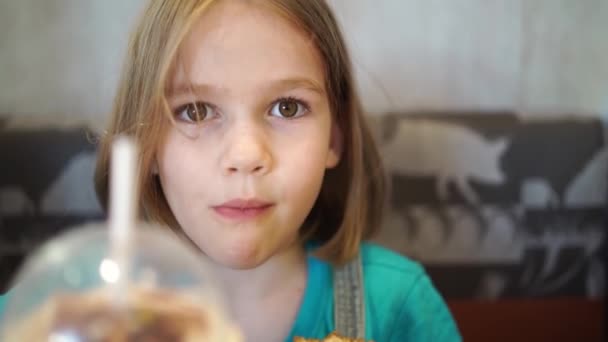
{"x": 401, "y": 269}
{"x": 405, "y": 303}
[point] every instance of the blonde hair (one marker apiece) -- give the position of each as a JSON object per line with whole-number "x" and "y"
{"x": 349, "y": 207}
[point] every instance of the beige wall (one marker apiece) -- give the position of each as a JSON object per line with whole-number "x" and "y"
{"x": 565, "y": 61}
{"x": 532, "y": 55}
{"x": 63, "y": 56}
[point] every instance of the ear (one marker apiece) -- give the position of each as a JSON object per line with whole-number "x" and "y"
{"x": 336, "y": 142}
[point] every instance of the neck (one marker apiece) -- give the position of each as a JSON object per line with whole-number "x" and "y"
{"x": 264, "y": 300}
{"x": 280, "y": 272}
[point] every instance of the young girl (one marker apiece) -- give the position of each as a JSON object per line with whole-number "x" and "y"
{"x": 254, "y": 148}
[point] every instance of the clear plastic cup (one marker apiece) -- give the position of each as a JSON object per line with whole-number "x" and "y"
{"x": 66, "y": 292}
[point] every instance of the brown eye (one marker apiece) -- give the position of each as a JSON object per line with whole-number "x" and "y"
{"x": 194, "y": 112}
{"x": 288, "y": 108}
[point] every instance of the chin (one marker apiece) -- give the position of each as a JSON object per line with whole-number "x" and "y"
{"x": 239, "y": 257}
{"x": 237, "y": 264}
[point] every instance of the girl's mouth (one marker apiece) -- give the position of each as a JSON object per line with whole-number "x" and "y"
{"x": 243, "y": 209}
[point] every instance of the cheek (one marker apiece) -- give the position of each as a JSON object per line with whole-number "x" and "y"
{"x": 183, "y": 159}
{"x": 180, "y": 172}
{"x": 302, "y": 168}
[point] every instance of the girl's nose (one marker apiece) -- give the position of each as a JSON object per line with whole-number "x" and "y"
{"x": 247, "y": 153}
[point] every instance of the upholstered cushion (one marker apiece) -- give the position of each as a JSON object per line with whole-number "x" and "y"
{"x": 496, "y": 205}
{"x": 46, "y": 181}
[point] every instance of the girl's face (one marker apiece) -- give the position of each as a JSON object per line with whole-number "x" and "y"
{"x": 243, "y": 165}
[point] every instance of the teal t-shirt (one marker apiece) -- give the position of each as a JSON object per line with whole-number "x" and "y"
{"x": 402, "y": 305}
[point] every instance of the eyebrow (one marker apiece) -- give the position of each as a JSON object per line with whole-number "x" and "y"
{"x": 280, "y": 85}
{"x": 295, "y": 83}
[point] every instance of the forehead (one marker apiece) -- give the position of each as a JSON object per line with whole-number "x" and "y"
{"x": 237, "y": 44}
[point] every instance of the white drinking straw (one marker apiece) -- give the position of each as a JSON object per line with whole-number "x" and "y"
{"x": 122, "y": 214}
